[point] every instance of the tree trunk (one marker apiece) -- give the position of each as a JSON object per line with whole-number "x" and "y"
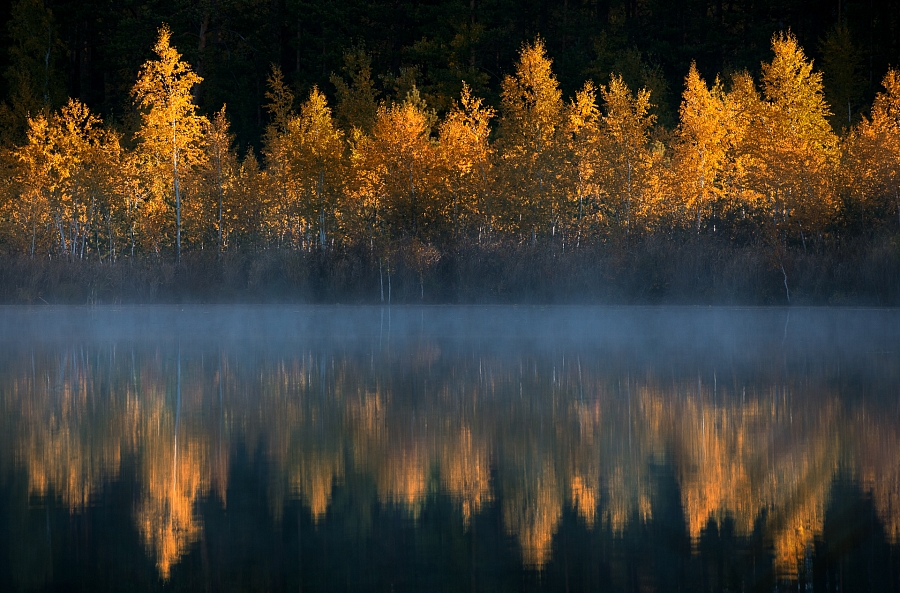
{"x": 177, "y": 194}
{"x": 787, "y": 291}
{"x": 320, "y": 189}
{"x": 177, "y": 222}
{"x": 221, "y": 199}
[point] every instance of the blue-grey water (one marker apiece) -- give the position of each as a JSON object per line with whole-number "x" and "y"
{"x": 449, "y": 449}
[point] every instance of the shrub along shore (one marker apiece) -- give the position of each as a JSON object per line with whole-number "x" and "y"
{"x": 651, "y": 270}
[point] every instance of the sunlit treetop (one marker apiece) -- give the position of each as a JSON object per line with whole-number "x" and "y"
{"x": 165, "y": 83}
{"x": 795, "y": 90}
{"x": 532, "y": 101}
{"x": 887, "y": 104}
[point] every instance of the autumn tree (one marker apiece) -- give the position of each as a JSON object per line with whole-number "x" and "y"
{"x": 627, "y": 156}
{"x": 585, "y": 147}
{"x": 465, "y": 157}
{"x": 320, "y": 155}
{"x": 744, "y": 108}
{"x": 872, "y": 155}
{"x": 304, "y": 163}
{"x": 394, "y": 185}
{"x": 66, "y": 171}
{"x": 404, "y": 153}
{"x": 366, "y": 192}
{"x": 701, "y": 149}
{"x": 36, "y": 183}
{"x": 283, "y": 215}
{"x": 245, "y": 203}
{"x": 171, "y": 133}
{"x": 99, "y": 191}
{"x": 796, "y": 149}
{"x": 219, "y": 171}
{"x": 530, "y": 149}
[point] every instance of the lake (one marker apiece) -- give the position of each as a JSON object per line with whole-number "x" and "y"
{"x": 272, "y": 448}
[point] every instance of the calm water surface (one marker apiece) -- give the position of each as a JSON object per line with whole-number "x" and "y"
{"x": 449, "y": 449}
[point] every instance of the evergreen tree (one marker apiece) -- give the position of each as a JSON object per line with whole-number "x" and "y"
{"x": 33, "y": 74}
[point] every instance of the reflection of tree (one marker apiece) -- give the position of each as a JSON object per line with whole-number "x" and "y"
{"x": 465, "y": 472}
{"x": 534, "y": 434}
{"x": 744, "y": 460}
{"x": 175, "y": 476}
{"x": 73, "y": 431}
{"x": 303, "y": 431}
{"x": 175, "y": 471}
{"x": 532, "y": 506}
{"x": 875, "y": 459}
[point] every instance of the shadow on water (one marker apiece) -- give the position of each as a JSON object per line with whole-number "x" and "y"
{"x": 449, "y": 449}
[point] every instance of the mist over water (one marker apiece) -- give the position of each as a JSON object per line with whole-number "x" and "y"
{"x": 449, "y": 448}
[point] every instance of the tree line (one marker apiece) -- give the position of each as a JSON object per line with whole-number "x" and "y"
{"x": 748, "y": 160}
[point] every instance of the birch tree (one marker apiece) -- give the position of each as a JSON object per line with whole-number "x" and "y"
{"x": 530, "y": 132}
{"x": 627, "y": 157}
{"x": 465, "y": 156}
{"x": 219, "y": 171}
{"x": 171, "y": 135}
{"x": 701, "y": 148}
{"x": 585, "y": 148}
{"x": 796, "y": 144}
{"x": 872, "y": 157}
{"x": 320, "y": 155}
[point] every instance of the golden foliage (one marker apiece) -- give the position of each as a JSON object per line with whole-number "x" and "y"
{"x": 793, "y": 151}
{"x": 66, "y": 179}
{"x": 702, "y": 150}
{"x": 466, "y": 163}
{"x": 872, "y": 152}
{"x": 306, "y": 168}
{"x": 396, "y": 180}
{"x": 170, "y": 135}
{"x": 530, "y": 132}
{"x": 395, "y": 168}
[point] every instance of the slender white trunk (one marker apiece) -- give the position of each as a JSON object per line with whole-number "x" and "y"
{"x": 320, "y": 190}
{"x": 787, "y": 291}
{"x": 221, "y": 199}
{"x": 177, "y": 194}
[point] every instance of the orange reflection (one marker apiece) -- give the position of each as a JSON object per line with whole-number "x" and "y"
{"x": 175, "y": 474}
{"x": 531, "y": 511}
{"x": 465, "y": 473}
{"x": 742, "y": 457}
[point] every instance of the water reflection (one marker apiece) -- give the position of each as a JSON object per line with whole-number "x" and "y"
{"x": 754, "y": 447}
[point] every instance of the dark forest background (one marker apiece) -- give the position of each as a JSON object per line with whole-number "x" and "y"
{"x": 93, "y": 49}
